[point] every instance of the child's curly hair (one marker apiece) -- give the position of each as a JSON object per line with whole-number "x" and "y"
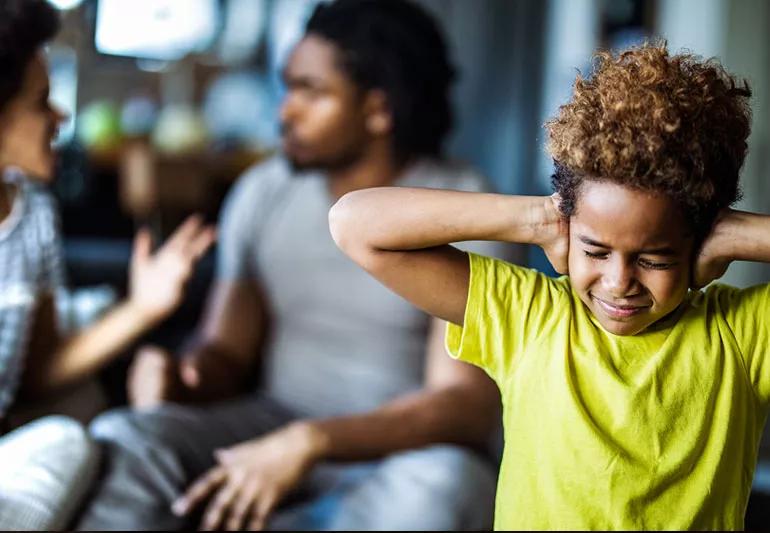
{"x": 675, "y": 124}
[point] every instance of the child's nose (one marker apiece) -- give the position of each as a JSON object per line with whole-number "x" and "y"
{"x": 619, "y": 279}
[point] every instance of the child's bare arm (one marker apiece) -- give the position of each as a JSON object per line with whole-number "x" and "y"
{"x": 400, "y": 236}
{"x": 737, "y": 236}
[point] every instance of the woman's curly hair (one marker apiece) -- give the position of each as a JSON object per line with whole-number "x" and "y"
{"x": 674, "y": 124}
{"x": 25, "y": 25}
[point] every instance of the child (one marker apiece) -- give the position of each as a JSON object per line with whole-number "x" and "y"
{"x": 48, "y": 463}
{"x": 631, "y": 399}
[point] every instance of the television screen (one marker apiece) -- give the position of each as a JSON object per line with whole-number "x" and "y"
{"x": 155, "y": 29}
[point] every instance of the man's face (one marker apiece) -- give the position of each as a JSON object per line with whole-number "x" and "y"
{"x": 629, "y": 255}
{"x": 323, "y": 122}
{"x": 28, "y": 125}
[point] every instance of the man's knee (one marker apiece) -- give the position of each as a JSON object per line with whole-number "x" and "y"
{"x": 168, "y": 439}
{"x": 129, "y": 428}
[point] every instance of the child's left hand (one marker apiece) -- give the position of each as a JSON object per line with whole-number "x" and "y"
{"x": 711, "y": 262}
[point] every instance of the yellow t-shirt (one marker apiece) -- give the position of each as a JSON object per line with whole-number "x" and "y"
{"x": 654, "y": 431}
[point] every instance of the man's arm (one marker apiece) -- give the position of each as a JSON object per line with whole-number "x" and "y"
{"x": 459, "y": 404}
{"x": 218, "y": 362}
{"x": 400, "y": 236}
{"x": 228, "y": 345}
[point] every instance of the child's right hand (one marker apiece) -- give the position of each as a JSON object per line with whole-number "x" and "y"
{"x": 553, "y": 236}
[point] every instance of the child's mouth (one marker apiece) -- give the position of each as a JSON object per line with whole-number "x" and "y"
{"x": 619, "y": 311}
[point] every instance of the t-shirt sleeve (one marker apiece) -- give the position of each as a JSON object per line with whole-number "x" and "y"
{"x": 747, "y": 312}
{"x": 507, "y": 306}
{"x": 242, "y": 218}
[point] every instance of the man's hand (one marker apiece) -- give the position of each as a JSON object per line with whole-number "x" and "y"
{"x": 252, "y": 478}
{"x": 152, "y": 378}
{"x": 157, "y": 281}
{"x": 553, "y": 235}
{"x": 712, "y": 260}
{"x": 156, "y": 377}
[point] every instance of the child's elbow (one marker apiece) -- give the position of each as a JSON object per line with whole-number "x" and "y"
{"x": 342, "y": 225}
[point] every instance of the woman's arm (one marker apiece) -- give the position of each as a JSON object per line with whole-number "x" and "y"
{"x": 156, "y": 289}
{"x": 401, "y": 236}
{"x": 54, "y": 362}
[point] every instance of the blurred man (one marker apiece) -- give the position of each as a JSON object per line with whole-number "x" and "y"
{"x": 360, "y": 420}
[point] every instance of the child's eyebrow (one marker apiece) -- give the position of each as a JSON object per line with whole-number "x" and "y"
{"x": 663, "y": 250}
{"x": 591, "y": 242}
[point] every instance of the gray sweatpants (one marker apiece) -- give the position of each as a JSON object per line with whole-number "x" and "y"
{"x": 46, "y": 467}
{"x": 152, "y": 457}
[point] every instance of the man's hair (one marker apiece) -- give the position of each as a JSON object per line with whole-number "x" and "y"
{"x": 394, "y": 46}
{"x": 674, "y": 124}
{"x": 25, "y": 25}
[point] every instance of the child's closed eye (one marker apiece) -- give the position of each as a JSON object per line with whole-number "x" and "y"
{"x": 654, "y": 265}
{"x": 596, "y": 255}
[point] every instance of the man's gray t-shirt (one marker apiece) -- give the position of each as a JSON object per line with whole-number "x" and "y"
{"x": 30, "y": 264}
{"x": 339, "y": 341}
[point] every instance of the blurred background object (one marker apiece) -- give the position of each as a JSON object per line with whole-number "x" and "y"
{"x": 170, "y": 100}
{"x": 164, "y": 30}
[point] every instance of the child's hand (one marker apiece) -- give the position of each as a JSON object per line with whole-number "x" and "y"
{"x": 711, "y": 261}
{"x": 554, "y": 235}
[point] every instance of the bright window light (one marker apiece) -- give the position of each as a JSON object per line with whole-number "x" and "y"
{"x": 66, "y": 4}
{"x": 155, "y": 29}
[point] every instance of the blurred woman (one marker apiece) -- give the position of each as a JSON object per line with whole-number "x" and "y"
{"x": 47, "y": 464}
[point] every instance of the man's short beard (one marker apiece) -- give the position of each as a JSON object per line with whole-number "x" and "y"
{"x": 333, "y": 164}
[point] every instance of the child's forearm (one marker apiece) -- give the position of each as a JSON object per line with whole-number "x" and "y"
{"x": 399, "y": 218}
{"x": 744, "y": 236}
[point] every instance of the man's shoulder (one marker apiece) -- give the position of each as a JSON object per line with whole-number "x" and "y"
{"x": 269, "y": 171}
{"x": 260, "y": 182}
{"x": 445, "y": 174}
